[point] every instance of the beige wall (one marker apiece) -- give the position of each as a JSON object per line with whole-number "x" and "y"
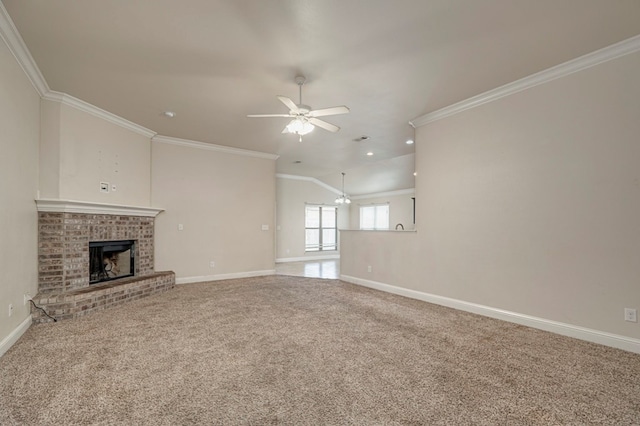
{"x": 84, "y": 150}
{"x": 529, "y": 204}
{"x": 222, "y": 200}
{"x": 400, "y": 210}
{"x": 19, "y": 136}
{"x": 292, "y": 197}
{"x": 49, "y": 164}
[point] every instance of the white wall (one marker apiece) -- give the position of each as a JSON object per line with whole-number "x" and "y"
{"x": 400, "y": 209}
{"x": 81, "y": 150}
{"x": 19, "y": 136}
{"x": 292, "y": 197}
{"x": 529, "y": 204}
{"x": 222, "y": 200}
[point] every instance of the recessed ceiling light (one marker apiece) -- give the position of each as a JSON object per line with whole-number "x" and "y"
{"x": 415, "y": 173}
{"x": 410, "y": 142}
{"x": 369, "y": 153}
{"x": 169, "y": 114}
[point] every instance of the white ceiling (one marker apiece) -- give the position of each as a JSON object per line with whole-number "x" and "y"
{"x": 215, "y": 61}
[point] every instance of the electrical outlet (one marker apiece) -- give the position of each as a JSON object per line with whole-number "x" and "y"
{"x": 10, "y": 309}
{"x": 104, "y": 187}
{"x": 630, "y": 315}
{"x": 212, "y": 264}
{"x": 369, "y": 268}
{"x": 180, "y": 227}
{"x": 27, "y": 297}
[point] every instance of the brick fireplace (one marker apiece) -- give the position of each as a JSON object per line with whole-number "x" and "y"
{"x": 65, "y": 230}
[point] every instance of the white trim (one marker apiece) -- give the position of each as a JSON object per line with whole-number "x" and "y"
{"x": 411, "y": 191}
{"x": 582, "y": 333}
{"x": 308, "y": 258}
{"x": 614, "y": 51}
{"x": 18, "y": 48}
{"x": 13, "y": 337}
{"x": 81, "y": 105}
{"x": 71, "y": 206}
{"x": 310, "y": 179}
{"x": 218, "y": 277}
{"x": 213, "y": 147}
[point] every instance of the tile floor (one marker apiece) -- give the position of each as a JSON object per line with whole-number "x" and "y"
{"x": 329, "y": 269}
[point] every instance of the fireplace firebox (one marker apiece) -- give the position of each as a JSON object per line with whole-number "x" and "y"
{"x": 110, "y": 260}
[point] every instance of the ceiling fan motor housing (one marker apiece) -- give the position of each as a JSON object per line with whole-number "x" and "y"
{"x": 302, "y": 110}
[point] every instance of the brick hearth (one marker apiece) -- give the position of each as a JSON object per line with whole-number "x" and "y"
{"x": 63, "y": 252}
{"x": 74, "y": 304}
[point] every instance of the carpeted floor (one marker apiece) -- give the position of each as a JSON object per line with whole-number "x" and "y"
{"x": 289, "y": 350}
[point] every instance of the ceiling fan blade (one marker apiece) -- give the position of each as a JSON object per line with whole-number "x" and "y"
{"x": 270, "y": 115}
{"x": 329, "y": 111}
{"x": 327, "y": 126}
{"x": 289, "y": 103}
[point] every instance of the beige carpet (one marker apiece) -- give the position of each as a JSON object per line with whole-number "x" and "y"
{"x": 289, "y": 350}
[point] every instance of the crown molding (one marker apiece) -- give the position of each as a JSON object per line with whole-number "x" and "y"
{"x": 310, "y": 179}
{"x": 81, "y": 105}
{"x": 625, "y": 47}
{"x": 18, "y": 48}
{"x": 71, "y": 206}
{"x": 409, "y": 191}
{"x": 211, "y": 147}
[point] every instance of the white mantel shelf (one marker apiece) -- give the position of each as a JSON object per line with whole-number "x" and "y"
{"x": 71, "y": 206}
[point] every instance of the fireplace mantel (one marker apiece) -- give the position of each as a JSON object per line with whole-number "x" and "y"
{"x": 71, "y": 206}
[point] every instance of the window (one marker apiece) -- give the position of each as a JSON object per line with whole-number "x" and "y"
{"x": 321, "y": 232}
{"x": 375, "y": 216}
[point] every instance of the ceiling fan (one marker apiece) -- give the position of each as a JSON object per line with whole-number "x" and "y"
{"x": 304, "y": 119}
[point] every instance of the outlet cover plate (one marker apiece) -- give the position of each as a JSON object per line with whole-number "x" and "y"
{"x": 630, "y": 315}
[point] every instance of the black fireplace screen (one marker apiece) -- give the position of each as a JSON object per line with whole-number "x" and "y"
{"x": 109, "y": 260}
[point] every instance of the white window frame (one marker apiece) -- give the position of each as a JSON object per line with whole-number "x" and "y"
{"x": 321, "y": 247}
{"x": 376, "y": 211}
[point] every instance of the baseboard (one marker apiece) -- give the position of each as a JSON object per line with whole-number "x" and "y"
{"x": 582, "y": 333}
{"x": 13, "y": 337}
{"x": 218, "y": 277}
{"x": 307, "y": 258}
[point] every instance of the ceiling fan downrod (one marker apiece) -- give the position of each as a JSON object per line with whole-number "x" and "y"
{"x": 300, "y": 82}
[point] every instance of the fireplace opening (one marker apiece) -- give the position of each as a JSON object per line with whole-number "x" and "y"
{"x": 110, "y": 260}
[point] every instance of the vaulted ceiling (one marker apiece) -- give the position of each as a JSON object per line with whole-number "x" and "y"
{"x": 213, "y": 62}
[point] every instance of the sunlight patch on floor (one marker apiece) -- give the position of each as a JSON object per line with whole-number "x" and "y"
{"x": 329, "y": 269}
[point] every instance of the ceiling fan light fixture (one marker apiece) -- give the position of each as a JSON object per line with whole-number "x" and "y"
{"x": 300, "y": 127}
{"x": 305, "y": 119}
